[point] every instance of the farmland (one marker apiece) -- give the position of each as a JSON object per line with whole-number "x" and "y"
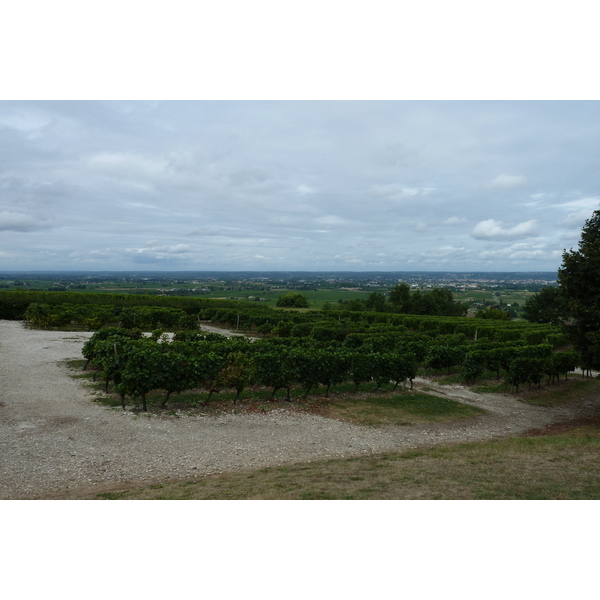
{"x": 320, "y": 288}
{"x": 376, "y": 444}
{"x": 341, "y": 365}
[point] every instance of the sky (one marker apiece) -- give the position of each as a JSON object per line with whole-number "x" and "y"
{"x": 296, "y": 136}
{"x": 295, "y": 185}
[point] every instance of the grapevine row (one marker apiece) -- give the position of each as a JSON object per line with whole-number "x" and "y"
{"x": 137, "y": 365}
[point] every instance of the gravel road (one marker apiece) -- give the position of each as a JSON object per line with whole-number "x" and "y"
{"x": 56, "y": 442}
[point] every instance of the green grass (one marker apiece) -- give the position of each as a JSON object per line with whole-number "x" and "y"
{"x": 562, "y": 466}
{"x": 508, "y": 296}
{"x": 269, "y": 298}
{"x": 561, "y": 393}
{"x": 398, "y": 409}
{"x": 489, "y": 388}
{"x": 450, "y": 379}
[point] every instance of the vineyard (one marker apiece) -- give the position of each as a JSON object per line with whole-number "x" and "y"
{"x": 354, "y": 367}
{"x": 136, "y": 365}
{"x": 297, "y": 352}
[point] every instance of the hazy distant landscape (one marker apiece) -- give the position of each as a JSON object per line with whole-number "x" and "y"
{"x": 477, "y": 288}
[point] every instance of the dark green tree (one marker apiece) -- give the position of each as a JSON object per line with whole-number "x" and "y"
{"x": 293, "y": 300}
{"x": 142, "y": 371}
{"x": 435, "y": 302}
{"x": 547, "y": 306}
{"x": 400, "y": 297}
{"x": 579, "y": 278}
{"x": 376, "y": 301}
{"x": 496, "y": 314}
{"x": 361, "y": 367}
{"x": 237, "y": 373}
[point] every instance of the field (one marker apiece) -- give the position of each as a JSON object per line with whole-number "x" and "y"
{"x": 441, "y": 440}
{"x": 505, "y": 296}
{"x": 434, "y": 442}
{"x": 259, "y": 295}
{"x": 265, "y": 288}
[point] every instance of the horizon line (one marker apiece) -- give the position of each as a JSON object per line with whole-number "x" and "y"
{"x": 262, "y": 271}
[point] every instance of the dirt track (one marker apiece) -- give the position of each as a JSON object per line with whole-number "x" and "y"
{"x": 55, "y": 442}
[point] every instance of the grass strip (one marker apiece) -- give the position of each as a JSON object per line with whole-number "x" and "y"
{"x": 399, "y": 409}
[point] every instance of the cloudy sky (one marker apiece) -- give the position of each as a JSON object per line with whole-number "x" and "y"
{"x": 270, "y": 185}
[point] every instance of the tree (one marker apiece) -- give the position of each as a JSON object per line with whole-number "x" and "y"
{"x": 496, "y": 314}
{"x": 400, "y": 297}
{"x": 275, "y": 370}
{"x": 334, "y": 368}
{"x": 376, "y": 301}
{"x": 547, "y": 306}
{"x": 179, "y": 373}
{"x": 394, "y": 367}
{"x": 142, "y": 371}
{"x": 36, "y": 314}
{"x": 473, "y": 366}
{"x": 211, "y": 365}
{"x": 293, "y": 300}
{"x": 307, "y": 365}
{"x": 361, "y": 368}
{"x": 579, "y": 278}
{"x": 237, "y": 373}
{"x": 436, "y": 302}
{"x": 441, "y": 302}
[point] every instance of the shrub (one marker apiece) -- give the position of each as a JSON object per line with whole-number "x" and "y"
{"x": 293, "y": 300}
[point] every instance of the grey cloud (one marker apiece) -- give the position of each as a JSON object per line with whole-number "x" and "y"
{"x": 399, "y": 191}
{"x": 495, "y": 230}
{"x": 396, "y": 155}
{"x": 577, "y": 219}
{"x": 205, "y": 231}
{"x": 330, "y": 220}
{"x": 453, "y": 221}
{"x": 386, "y": 178}
{"x": 248, "y": 177}
{"x": 162, "y": 250}
{"x": 522, "y": 252}
{"x": 11, "y": 221}
{"x": 159, "y": 254}
{"x": 508, "y": 181}
{"x": 302, "y": 190}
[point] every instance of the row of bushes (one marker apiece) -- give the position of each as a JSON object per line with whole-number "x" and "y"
{"x": 94, "y": 316}
{"x": 322, "y": 325}
{"x": 138, "y": 365}
{"x": 327, "y": 326}
{"x": 14, "y": 303}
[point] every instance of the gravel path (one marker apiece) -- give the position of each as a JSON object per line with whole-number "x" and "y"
{"x": 54, "y": 441}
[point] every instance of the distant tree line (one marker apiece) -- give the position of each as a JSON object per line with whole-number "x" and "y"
{"x": 437, "y": 302}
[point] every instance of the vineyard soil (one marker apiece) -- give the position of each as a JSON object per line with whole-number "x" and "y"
{"x": 55, "y": 442}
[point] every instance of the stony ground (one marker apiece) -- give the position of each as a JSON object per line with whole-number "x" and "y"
{"x": 55, "y": 442}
